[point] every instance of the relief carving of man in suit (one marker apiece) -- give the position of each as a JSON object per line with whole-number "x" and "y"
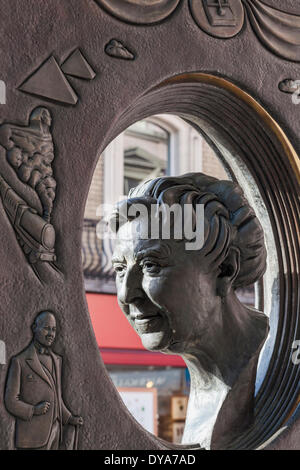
{"x": 33, "y": 392}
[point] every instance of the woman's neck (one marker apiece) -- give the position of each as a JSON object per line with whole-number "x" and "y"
{"x": 207, "y": 394}
{"x": 219, "y": 369}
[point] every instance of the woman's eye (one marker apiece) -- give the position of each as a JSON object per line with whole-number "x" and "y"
{"x": 150, "y": 267}
{"x": 119, "y": 269}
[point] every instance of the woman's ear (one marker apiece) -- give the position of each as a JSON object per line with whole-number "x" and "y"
{"x": 229, "y": 270}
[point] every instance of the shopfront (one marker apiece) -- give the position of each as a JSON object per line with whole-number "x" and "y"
{"x": 154, "y": 386}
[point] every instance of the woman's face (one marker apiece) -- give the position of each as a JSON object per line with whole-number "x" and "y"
{"x": 168, "y": 294}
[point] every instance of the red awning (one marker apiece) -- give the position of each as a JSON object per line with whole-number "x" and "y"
{"x": 118, "y": 342}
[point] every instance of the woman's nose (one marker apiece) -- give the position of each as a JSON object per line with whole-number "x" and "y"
{"x": 130, "y": 289}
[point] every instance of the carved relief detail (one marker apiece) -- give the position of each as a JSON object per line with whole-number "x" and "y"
{"x": 29, "y": 156}
{"x": 290, "y": 86}
{"x": 34, "y": 393}
{"x": 139, "y": 12}
{"x": 277, "y": 30}
{"x": 48, "y": 81}
{"x": 117, "y": 49}
{"x": 219, "y": 18}
{"x": 77, "y": 66}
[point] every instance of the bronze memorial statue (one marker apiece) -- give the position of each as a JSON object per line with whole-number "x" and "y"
{"x": 183, "y": 301}
{"x": 34, "y": 392}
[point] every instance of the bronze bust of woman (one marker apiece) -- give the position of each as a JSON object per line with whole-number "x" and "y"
{"x": 183, "y": 301}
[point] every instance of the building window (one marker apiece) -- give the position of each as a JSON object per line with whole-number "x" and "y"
{"x": 146, "y": 153}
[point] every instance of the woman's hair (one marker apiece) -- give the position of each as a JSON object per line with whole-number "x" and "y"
{"x": 229, "y": 220}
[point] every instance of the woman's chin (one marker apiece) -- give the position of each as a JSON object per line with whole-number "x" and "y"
{"x": 157, "y": 341}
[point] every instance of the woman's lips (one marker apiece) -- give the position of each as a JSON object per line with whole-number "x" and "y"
{"x": 142, "y": 321}
{"x": 143, "y": 317}
{"x": 146, "y": 322}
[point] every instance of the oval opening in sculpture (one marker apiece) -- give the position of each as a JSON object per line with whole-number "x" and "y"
{"x": 264, "y": 163}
